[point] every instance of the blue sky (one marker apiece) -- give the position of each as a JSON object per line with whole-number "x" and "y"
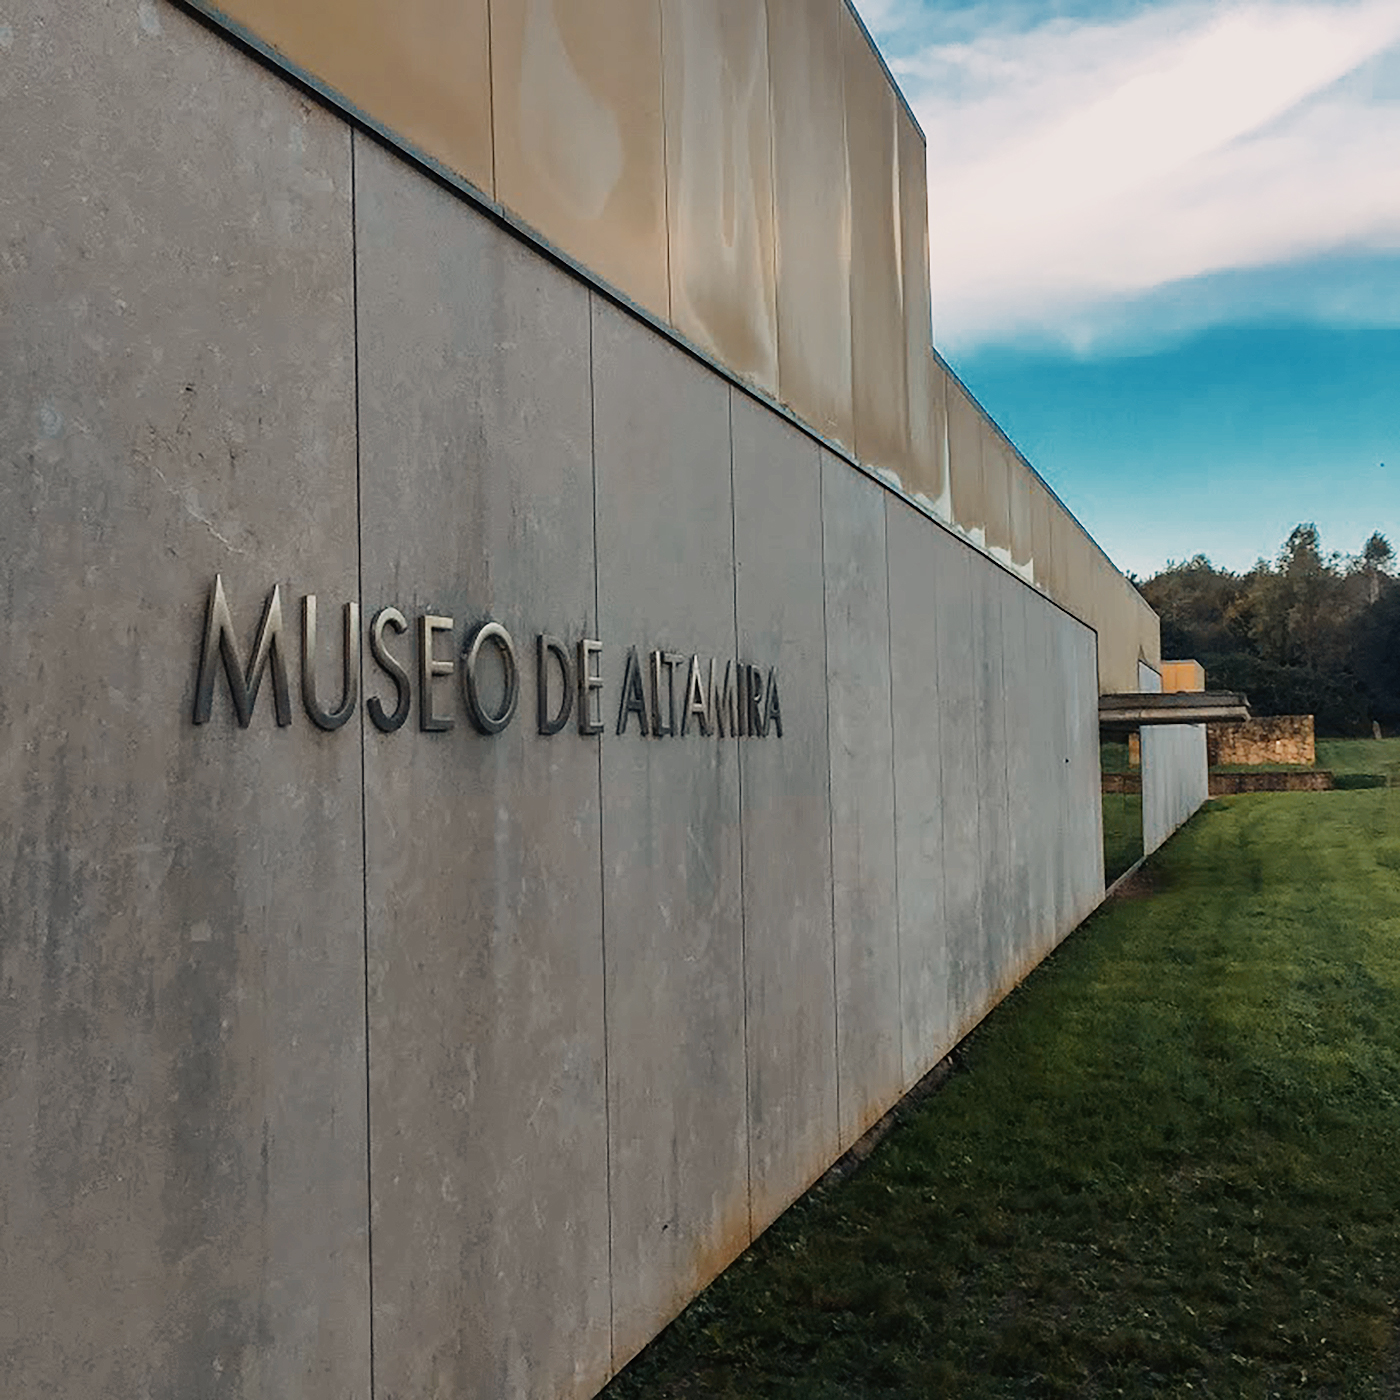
{"x": 1165, "y": 241}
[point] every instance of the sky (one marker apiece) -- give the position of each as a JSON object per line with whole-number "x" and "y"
{"x": 1165, "y": 249}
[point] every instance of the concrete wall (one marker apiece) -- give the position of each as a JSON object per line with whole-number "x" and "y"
{"x": 788, "y": 242}
{"x": 524, "y": 1037}
{"x": 1174, "y": 779}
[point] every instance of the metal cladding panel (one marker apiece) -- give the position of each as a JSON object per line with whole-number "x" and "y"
{"x": 965, "y": 427}
{"x": 672, "y": 871}
{"x": 1043, "y": 508}
{"x": 576, "y": 96}
{"x": 182, "y": 1082}
{"x": 996, "y": 482}
{"x": 487, "y": 1107}
{"x": 920, "y": 557}
{"x": 920, "y": 471}
{"x": 420, "y": 68}
{"x": 812, "y": 199}
{"x": 1023, "y": 488}
{"x": 869, "y": 1050}
{"x": 879, "y": 338}
{"x": 1149, "y": 632}
{"x": 789, "y": 964}
{"x": 719, "y": 182}
{"x": 958, "y": 651}
{"x": 939, "y": 489}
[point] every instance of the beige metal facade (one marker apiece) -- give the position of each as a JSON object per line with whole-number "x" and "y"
{"x": 747, "y": 172}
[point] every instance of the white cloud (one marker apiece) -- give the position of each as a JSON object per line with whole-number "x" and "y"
{"x": 1074, "y": 166}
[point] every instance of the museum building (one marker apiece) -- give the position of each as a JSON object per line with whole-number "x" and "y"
{"x": 537, "y": 706}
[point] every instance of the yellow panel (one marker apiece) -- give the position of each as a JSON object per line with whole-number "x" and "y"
{"x": 812, "y": 197}
{"x": 576, "y": 92}
{"x": 920, "y": 470}
{"x": 965, "y": 461}
{"x": 418, "y": 67}
{"x": 719, "y": 184}
{"x": 996, "y": 483}
{"x": 879, "y": 375}
{"x": 1021, "y": 486}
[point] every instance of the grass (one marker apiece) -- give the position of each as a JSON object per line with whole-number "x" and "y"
{"x": 1343, "y": 756}
{"x": 1169, "y": 1166}
{"x": 1122, "y": 832}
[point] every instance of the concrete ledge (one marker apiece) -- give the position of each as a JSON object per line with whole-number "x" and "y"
{"x": 1135, "y": 709}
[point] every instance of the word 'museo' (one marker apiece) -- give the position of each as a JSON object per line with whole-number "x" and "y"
{"x": 663, "y": 693}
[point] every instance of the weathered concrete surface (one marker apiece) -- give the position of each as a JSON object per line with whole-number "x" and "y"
{"x": 672, "y": 871}
{"x": 993, "y": 815}
{"x": 1175, "y": 779}
{"x": 870, "y": 1057}
{"x": 790, "y": 997}
{"x": 181, "y": 919}
{"x": 918, "y": 559}
{"x": 957, "y": 705}
{"x": 487, "y": 1094}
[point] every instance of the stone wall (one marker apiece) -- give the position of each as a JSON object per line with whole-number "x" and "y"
{"x": 1264, "y": 739}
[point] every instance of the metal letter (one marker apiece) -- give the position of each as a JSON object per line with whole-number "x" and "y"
{"x": 243, "y": 683}
{"x": 590, "y": 683}
{"x": 429, "y": 625}
{"x": 486, "y": 722}
{"x": 634, "y": 696}
{"x": 670, "y": 660}
{"x": 663, "y": 707}
{"x": 696, "y": 702}
{"x": 758, "y": 725}
{"x": 545, "y": 647}
{"x": 403, "y": 691}
{"x": 722, "y": 707}
{"x": 774, "y": 712}
{"x": 350, "y": 688}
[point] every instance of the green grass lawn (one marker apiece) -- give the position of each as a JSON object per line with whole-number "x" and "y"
{"x": 1169, "y": 1164}
{"x": 1122, "y": 832}
{"x": 1360, "y": 756}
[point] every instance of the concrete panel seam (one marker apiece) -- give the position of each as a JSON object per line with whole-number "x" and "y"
{"x": 830, "y": 813}
{"x": 894, "y": 795}
{"x": 364, "y": 782}
{"x": 602, "y": 843}
{"x": 743, "y": 908}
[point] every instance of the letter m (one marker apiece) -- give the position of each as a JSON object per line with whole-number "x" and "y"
{"x": 221, "y": 643}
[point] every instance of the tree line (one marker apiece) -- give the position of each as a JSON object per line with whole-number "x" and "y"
{"x": 1305, "y": 633}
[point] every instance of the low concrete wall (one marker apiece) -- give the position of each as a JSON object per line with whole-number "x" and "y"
{"x": 527, "y": 1032}
{"x": 1174, "y": 779}
{"x": 1264, "y": 739}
